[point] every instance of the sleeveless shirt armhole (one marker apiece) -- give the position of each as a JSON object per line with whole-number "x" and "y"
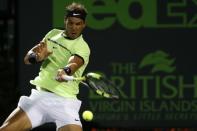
{"x": 79, "y": 56}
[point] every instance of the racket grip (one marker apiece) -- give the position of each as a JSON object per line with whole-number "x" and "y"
{"x": 68, "y": 78}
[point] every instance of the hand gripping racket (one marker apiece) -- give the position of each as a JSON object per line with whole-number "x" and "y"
{"x": 98, "y": 83}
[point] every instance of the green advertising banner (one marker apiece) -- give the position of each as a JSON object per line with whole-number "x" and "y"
{"x": 146, "y": 47}
{"x": 141, "y": 46}
{"x": 133, "y": 14}
{"x": 153, "y": 93}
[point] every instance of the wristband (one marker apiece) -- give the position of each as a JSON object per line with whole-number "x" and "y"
{"x": 32, "y": 58}
{"x": 67, "y": 70}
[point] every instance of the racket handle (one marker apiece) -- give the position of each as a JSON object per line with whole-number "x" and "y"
{"x": 68, "y": 78}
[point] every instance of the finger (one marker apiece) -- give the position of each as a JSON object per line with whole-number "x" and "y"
{"x": 38, "y": 56}
{"x": 43, "y": 43}
{"x": 62, "y": 79}
{"x": 59, "y": 73}
{"x": 41, "y": 46}
{"x": 49, "y": 53}
{"x": 39, "y": 49}
{"x": 59, "y": 78}
{"x": 45, "y": 40}
{"x": 36, "y": 48}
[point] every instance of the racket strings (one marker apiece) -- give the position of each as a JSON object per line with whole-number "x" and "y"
{"x": 103, "y": 85}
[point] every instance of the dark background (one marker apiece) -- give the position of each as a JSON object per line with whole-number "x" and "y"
{"x": 24, "y": 23}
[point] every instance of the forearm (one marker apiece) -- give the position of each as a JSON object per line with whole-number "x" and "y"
{"x": 74, "y": 64}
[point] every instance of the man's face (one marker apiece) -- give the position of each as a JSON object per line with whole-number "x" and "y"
{"x": 74, "y": 26}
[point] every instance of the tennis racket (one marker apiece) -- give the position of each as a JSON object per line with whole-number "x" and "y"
{"x": 98, "y": 83}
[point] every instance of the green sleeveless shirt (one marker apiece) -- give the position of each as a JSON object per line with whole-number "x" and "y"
{"x": 58, "y": 59}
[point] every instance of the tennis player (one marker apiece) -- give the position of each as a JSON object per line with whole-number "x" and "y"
{"x": 54, "y": 99}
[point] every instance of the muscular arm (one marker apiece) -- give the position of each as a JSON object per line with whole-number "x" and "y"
{"x": 74, "y": 63}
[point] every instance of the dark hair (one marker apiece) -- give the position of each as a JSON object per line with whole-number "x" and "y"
{"x": 76, "y": 10}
